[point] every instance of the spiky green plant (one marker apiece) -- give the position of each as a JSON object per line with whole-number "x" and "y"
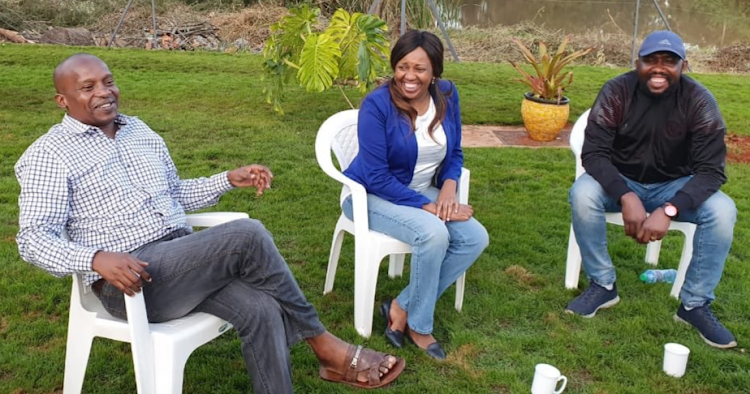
{"x": 351, "y": 51}
{"x": 550, "y": 80}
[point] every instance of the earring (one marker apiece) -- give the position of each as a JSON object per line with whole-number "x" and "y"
{"x": 433, "y": 80}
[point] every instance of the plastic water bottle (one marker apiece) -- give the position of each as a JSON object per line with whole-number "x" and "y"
{"x": 654, "y": 276}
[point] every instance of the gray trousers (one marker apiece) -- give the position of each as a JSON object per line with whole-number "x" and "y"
{"x": 233, "y": 271}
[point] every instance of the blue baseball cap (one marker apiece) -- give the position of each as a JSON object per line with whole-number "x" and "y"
{"x": 662, "y": 41}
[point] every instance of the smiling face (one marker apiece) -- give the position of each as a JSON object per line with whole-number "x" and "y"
{"x": 87, "y": 91}
{"x": 413, "y": 75}
{"x": 660, "y": 70}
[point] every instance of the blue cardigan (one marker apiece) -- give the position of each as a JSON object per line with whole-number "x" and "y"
{"x": 388, "y": 148}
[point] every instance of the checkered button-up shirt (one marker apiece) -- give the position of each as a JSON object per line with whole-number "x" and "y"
{"x": 110, "y": 194}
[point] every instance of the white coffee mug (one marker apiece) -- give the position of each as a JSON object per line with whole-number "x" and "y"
{"x": 546, "y": 378}
{"x": 675, "y": 359}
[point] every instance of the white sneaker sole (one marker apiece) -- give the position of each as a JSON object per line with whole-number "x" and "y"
{"x": 710, "y": 343}
{"x": 605, "y": 305}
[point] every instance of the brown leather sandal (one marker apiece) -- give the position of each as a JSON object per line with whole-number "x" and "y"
{"x": 365, "y": 360}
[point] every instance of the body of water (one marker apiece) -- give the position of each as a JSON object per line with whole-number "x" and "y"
{"x": 718, "y": 26}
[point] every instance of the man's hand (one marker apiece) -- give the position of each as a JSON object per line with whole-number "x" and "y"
{"x": 121, "y": 270}
{"x": 655, "y": 227}
{"x": 254, "y": 175}
{"x": 633, "y": 214}
{"x": 446, "y": 204}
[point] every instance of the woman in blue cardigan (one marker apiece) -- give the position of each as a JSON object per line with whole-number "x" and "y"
{"x": 409, "y": 161}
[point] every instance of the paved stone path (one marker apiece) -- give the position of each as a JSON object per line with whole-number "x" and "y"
{"x": 479, "y": 136}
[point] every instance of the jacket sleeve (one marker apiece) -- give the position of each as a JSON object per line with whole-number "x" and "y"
{"x": 708, "y": 152}
{"x": 602, "y": 125}
{"x": 373, "y": 153}
{"x": 454, "y": 158}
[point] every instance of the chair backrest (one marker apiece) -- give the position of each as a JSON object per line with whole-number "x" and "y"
{"x": 577, "y": 136}
{"x": 338, "y": 134}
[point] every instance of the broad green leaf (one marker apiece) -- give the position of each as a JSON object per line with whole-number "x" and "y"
{"x": 318, "y": 63}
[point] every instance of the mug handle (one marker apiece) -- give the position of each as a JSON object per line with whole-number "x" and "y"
{"x": 564, "y": 380}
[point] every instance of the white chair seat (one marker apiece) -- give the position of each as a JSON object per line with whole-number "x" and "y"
{"x": 339, "y": 134}
{"x": 573, "y": 264}
{"x": 160, "y": 350}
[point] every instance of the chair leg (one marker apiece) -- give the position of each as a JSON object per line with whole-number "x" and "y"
{"x": 77, "y": 351}
{"x": 366, "y": 266}
{"x": 396, "y": 265}
{"x": 573, "y": 262}
{"x": 687, "y": 255}
{"x": 460, "y": 287}
{"x": 170, "y": 367}
{"x": 652, "y": 252}
{"x": 333, "y": 259}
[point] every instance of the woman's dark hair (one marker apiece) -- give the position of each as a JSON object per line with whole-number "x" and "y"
{"x": 434, "y": 47}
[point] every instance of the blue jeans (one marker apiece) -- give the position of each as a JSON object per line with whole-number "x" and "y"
{"x": 235, "y": 272}
{"x": 714, "y": 218}
{"x": 441, "y": 252}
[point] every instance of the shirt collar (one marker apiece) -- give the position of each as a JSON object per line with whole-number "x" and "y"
{"x": 77, "y": 127}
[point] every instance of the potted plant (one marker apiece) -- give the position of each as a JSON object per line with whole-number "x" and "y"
{"x": 351, "y": 51}
{"x": 545, "y": 109}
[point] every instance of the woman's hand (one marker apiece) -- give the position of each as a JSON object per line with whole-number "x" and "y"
{"x": 446, "y": 205}
{"x": 465, "y": 212}
{"x": 462, "y": 214}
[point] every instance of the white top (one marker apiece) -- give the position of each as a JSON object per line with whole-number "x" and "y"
{"x": 430, "y": 152}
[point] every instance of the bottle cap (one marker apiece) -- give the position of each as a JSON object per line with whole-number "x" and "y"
{"x": 643, "y": 277}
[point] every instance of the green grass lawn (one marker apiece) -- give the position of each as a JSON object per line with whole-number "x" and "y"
{"x": 210, "y": 110}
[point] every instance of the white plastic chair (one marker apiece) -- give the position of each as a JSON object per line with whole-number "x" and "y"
{"x": 160, "y": 350}
{"x": 339, "y": 133}
{"x": 573, "y": 265}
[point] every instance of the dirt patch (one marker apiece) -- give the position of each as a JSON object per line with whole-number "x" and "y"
{"x": 521, "y": 275}
{"x": 462, "y": 357}
{"x": 738, "y": 148}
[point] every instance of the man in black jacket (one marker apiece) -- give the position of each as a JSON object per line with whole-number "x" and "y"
{"x": 655, "y": 144}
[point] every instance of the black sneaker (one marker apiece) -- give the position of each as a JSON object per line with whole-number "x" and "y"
{"x": 712, "y": 331}
{"x": 595, "y": 297}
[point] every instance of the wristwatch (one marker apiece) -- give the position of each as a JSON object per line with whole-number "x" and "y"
{"x": 670, "y": 210}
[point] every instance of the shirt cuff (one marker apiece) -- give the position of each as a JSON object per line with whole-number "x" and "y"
{"x": 82, "y": 259}
{"x": 220, "y": 182}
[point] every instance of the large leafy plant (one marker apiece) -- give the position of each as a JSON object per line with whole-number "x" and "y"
{"x": 351, "y": 51}
{"x": 548, "y": 80}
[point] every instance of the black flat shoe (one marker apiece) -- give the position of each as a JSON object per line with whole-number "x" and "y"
{"x": 396, "y": 338}
{"x": 433, "y": 350}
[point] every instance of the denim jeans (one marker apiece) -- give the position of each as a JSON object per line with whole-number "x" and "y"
{"x": 714, "y": 218}
{"x": 441, "y": 252}
{"x": 235, "y": 272}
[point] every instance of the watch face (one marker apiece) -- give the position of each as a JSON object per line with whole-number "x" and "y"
{"x": 670, "y": 210}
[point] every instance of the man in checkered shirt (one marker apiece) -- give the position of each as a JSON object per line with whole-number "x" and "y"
{"x": 108, "y": 180}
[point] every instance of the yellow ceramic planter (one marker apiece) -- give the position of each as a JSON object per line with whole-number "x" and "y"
{"x": 543, "y": 120}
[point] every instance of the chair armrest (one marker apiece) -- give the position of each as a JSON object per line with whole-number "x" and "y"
{"x": 463, "y": 186}
{"x": 141, "y": 342}
{"x": 359, "y": 208}
{"x": 210, "y": 219}
{"x": 140, "y": 334}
